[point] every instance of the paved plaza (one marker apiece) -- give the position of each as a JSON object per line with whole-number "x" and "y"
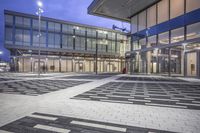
{"x": 103, "y": 103}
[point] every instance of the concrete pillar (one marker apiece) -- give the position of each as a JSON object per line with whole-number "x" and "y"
{"x": 148, "y": 60}
{"x": 169, "y": 62}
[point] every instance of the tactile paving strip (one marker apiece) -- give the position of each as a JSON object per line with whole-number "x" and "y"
{"x": 185, "y": 96}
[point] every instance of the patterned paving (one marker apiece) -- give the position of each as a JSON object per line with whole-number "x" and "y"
{"x": 185, "y": 96}
{"x": 102, "y": 76}
{"x": 45, "y": 123}
{"x": 161, "y": 79}
{"x": 37, "y": 87}
{"x": 6, "y": 79}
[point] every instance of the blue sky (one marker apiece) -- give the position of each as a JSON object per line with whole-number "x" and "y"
{"x": 69, "y": 10}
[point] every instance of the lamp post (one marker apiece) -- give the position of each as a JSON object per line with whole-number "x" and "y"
{"x": 1, "y": 52}
{"x": 39, "y": 13}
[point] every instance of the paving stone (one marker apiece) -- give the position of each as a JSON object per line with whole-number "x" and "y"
{"x": 38, "y": 122}
{"x": 155, "y": 94}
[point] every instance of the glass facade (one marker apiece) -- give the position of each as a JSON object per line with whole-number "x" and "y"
{"x": 158, "y": 35}
{"x": 59, "y": 35}
{"x": 78, "y": 42}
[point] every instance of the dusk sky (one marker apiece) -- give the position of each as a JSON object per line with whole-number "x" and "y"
{"x": 69, "y": 10}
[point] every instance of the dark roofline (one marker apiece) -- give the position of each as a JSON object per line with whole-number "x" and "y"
{"x": 95, "y": 2}
{"x": 60, "y": 21}
{"x": 154, "y": 3}
{"x": 92, "y": 6}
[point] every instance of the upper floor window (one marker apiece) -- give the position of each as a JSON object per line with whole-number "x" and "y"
{"x": 163, "y": 11}
{"x": 91, "y": 32}
{"x": 9, "y": 19}
{"x": 192, "y": 5}
{"x": 177, "y": 8}
{"x": 163, "y": 38}
{"x": 177, "y": 35}
{"x": 134, "y": 24}
{"x": 43, "y": 24}
{"x": 67, "y": 29}
{"x": 151, "y": 16}
{"x": 142, "y": 21}
{"x": 79, "y": 30}
{"x": 193, "y": 31}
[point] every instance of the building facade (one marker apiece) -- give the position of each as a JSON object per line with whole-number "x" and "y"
{"x": 165, "y": 34}
{"x": 65, "y": 46}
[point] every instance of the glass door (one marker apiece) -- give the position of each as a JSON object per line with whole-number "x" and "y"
{"x": 191, "y": 64}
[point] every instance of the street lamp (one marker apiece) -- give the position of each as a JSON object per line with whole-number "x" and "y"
{"x": 39, "y": 13}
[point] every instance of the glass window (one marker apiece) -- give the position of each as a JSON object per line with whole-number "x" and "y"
{"x": 109, "y": 46}
{"x": 119, "y": 37}
{"x": 35, "y": 38}
{"x": 113, "y": 46}
{"x": 93, "y": 44}
{"x": 163, "y": 38}
{"x": 27, "y": 38}
{"x": 67, "y": 29}
{"x": 177, "y": 35}
{"x": 79, "y": 43}
{"x": 64, "y": 41}
{"x": 19, "y": 21}
{"x": 79, "y": 30}
{"x": 193, "y": 31}
{"x": 134, "y": 24}
{"x": 118, "y": 47}
{"x": 142, "y": 43}
{"x": 70, "y": 42}
{"x": 111, "y": 35}
{"x": 57, "y": 40}
{"x": 163, "y": 11}
{"x": 177, "y": 8}
{"x": 82, "y": 43}
{"x": 43, "y": 39}
{"x": 18, "y": 37}
{"x": 43, "y": 25}
{"x": 89, "y": 44}
{"x": 27, "y": 22}
{"x": 151, "y": 16}
{"x": 51, "y": 40}
{"x": 142, "y": 21}
{"x": 136, "y": 45}
{"x": 51, "y": 26}
{"x": 57, "y": 27}
{"x": 102, "y": 34}
{"x": 9, "y": 19}
{"x": 35, "y": 24}
{"x": 192, "y": 5}
{"x": 9, "y": 35}
{"x": 152, "y": 41}
{"x": 91, "y": 32}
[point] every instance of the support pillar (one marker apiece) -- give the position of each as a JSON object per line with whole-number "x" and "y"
{"x": 169, "y": 62}
{"x": 131, "y": 65}
{"x": 198, "y": 64}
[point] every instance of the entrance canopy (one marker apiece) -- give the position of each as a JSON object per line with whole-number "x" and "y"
{"x": 119, "y": 9}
